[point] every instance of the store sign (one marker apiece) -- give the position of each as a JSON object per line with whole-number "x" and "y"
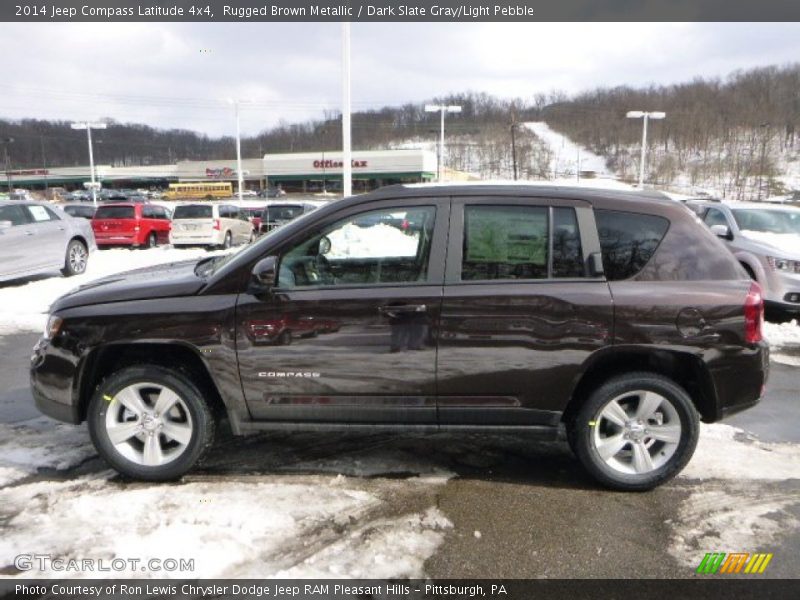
{"x": 29, "y": 172}
{"x": 220, "y": 173}
{"x": 337, "y": 164}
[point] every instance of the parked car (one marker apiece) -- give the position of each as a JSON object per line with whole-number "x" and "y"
{"x": 613, "y": 318}
{"x": 79, "y": 210}
{"x": 79, "y": 196}
{"x": 765, "y": 239}
{"x": 211, "y": 225}
{"x": 272, "y": 192}
{"x": 36, "y": 238}
{"x": 254, "y": 215}
{"x": 131, "y": 224}
{"x": 276, "y": 214}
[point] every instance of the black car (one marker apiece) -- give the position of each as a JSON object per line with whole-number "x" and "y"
{"x": 614, "y": 319}
{"x": 276, "y": 214}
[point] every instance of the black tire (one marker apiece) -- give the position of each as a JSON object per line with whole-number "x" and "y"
{"x": 285, "y": 338}
{"x": 152, "y": 240}
{"x": 252, "y": 237}
{"x": 202, "y": 421}
{"x": 228, "y": 240}
{"x": 588, "y": 423}
{"x": 73, "y": 263}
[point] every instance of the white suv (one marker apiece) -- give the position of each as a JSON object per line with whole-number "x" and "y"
{"x": 206, "y": 224}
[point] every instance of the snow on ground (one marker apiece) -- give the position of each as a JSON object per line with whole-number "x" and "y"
{"x": 784, "y": 341}
{"x": 40, "y": 443}
{"x": 24, "y": 303}
{"x": 566, "y": 153}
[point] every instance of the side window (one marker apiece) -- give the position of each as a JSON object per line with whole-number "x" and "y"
{"x": 504, "y": 242}
{"x": 39, "y": 214}
{"x": 387, "y": 246}
{"x": 13, "y": 213}
{"x": 628, "y": 240}
{"x": 715, "y": 217}
{"x": 148, "y": 212}
{"x": 567, "y": 253}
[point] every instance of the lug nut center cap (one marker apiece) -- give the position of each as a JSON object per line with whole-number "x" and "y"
{"x": 150, "y": 423}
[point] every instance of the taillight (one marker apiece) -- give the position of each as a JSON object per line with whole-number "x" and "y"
{"x": 216, "y": 224}
{"x": 753, "y": 314}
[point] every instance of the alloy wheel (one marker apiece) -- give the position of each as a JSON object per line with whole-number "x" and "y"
{"x": 77, "y": 258}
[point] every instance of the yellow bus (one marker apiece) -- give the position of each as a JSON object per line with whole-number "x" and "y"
{"x": 199, "y": 189}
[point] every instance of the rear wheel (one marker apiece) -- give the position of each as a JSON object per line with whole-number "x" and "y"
{"x": 150, "y": 423}
{"x": 152, "y": 240}
{"x": 636, "y": 431}
{"x": 228, "y": 240}
{"x": 76, "y": 259}
{"x": 285, "y": 338}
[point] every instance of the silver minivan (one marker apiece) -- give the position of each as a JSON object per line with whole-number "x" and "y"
{"x": 36, "y": 237}
{"x": 206, "y": 224}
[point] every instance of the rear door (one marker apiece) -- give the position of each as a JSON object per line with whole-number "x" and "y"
{"x": 193, "y": 221}
{"x": 521, "y": 311}
{"x": 114, "y": 223}
{"x": 50, "y": 233}
{"x": 17, "y": 243}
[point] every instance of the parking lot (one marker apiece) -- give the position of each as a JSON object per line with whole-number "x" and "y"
{"x": 380, "y": 505}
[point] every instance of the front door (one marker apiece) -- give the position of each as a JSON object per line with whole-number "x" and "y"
{"x": 521, "y": 311}
{"x": 348, "y": 333}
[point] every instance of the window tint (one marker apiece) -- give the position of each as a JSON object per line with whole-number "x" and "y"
{"x": 504, "y": 242}
{"x": 378, "y": 247}
{"x": 715, "y": 217}
{"x": 13, "y": 213}
{"x": 193, "y": 211}
{"x": 627, "y": 241}
{"x": 567, "y": 254}
{"x": 148, "y": 212}
{"x": 115, "y": 212}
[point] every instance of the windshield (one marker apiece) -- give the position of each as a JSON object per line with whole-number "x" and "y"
{"x": 115, "y": 212}
{"x": 283, "y": 213}
{"x": 768, "y": 221}
{"x": 193, "y": 211}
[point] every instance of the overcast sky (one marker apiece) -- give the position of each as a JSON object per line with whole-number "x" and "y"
{"x": 179, "y": 75}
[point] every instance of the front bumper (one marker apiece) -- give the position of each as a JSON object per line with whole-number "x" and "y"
{"x": 783, "y": 291}
{"x": 52, "y": 373}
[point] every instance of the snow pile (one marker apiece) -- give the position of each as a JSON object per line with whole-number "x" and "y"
{"x": 40, "y": 443}
{"x": 783, "y": 337}
{"x": 725, "y": 452}
{"x": 376, "y": 241}
{"x": 24, "y": 304}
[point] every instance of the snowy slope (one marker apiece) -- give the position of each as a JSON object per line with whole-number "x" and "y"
{"x": 566, "y": 153}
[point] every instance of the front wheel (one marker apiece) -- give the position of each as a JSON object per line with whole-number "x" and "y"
{"x": 636, "y": 431}
{"x": 76, "y": 259}
{"x": 150, "y": 423}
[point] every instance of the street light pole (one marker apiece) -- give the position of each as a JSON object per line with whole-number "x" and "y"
{"x": 347, "y": 157}
{"x": 239, "y": 171}
{"x": 7, "y": 161}
{"x": 88, "y": 126}
{"x": 645, "y": 116}
{"x": 442, "y": 109}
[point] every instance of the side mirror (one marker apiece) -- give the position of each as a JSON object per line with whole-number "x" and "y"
{"x": 722, "y": 231}
{"x": 596, "y": 264}
{"x": 265, "y": 272}
{"x": 6, "y": 224}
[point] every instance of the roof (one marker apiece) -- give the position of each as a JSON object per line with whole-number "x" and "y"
{"x": 749, "y": 205}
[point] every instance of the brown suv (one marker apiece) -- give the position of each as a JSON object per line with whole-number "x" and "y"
{"x": 614, "y": 318}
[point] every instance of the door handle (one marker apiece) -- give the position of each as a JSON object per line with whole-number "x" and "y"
{"x": 402, "y": 309}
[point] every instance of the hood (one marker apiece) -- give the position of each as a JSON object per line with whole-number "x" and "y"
{"x": 162, "y": 281}
{"x": 782, "y": 245}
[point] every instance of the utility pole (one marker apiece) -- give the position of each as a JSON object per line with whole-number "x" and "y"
{"x": 645, "y": 116}
{"x": 44, "y": 166}
{"x": 88, "y": 126}
{"x": 514, "y": 142}
{"x": 765, "y": 127}
{"x": 442, "y": 109}
{"x": 239, "y": 171}
{"x": 347, "y": 156}
{"x": 7, "y": 161}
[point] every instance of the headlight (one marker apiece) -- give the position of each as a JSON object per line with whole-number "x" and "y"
{"x": 783, "y": 264}
{"x": 53, "y": 326}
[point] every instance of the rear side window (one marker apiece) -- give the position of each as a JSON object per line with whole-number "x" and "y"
{"x": 504, "y": 242}
{"x": 193, "y": 211}
{"x": 115, "y": 212}
{"x": 13, "y": 213}
{"x": 628, "y": 241}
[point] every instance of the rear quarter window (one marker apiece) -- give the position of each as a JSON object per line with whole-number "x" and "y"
{"x": 628, "y": 241}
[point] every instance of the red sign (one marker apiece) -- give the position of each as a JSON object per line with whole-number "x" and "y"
{"x": 337, "y": 164}
{"x": 218, "y": 173}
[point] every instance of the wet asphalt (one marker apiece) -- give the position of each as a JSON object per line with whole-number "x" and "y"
{"x": 519, "y": 509}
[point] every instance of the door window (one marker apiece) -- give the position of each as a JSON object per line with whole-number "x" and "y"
{"x": 504, "y": 242}
{"x": 13, "y": 213}
{"x": 387, "y": 246}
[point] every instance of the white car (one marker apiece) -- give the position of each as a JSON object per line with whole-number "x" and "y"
{"x": 206, "y": 224}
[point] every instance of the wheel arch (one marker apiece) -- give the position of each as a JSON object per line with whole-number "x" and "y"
{"x": 686, "y": 369}
{"x": 107, "y": 359}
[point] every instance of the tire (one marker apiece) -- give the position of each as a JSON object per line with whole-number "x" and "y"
{"x": 285, "y": 339}
{"x": 152, "y": 240}
{"x": 143, "y": 449}
{"x": 76, "y": 258}
{"x": 228, "y": 240}
{"x": 617, "y": 448}
{"x": 252, "y": 237}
